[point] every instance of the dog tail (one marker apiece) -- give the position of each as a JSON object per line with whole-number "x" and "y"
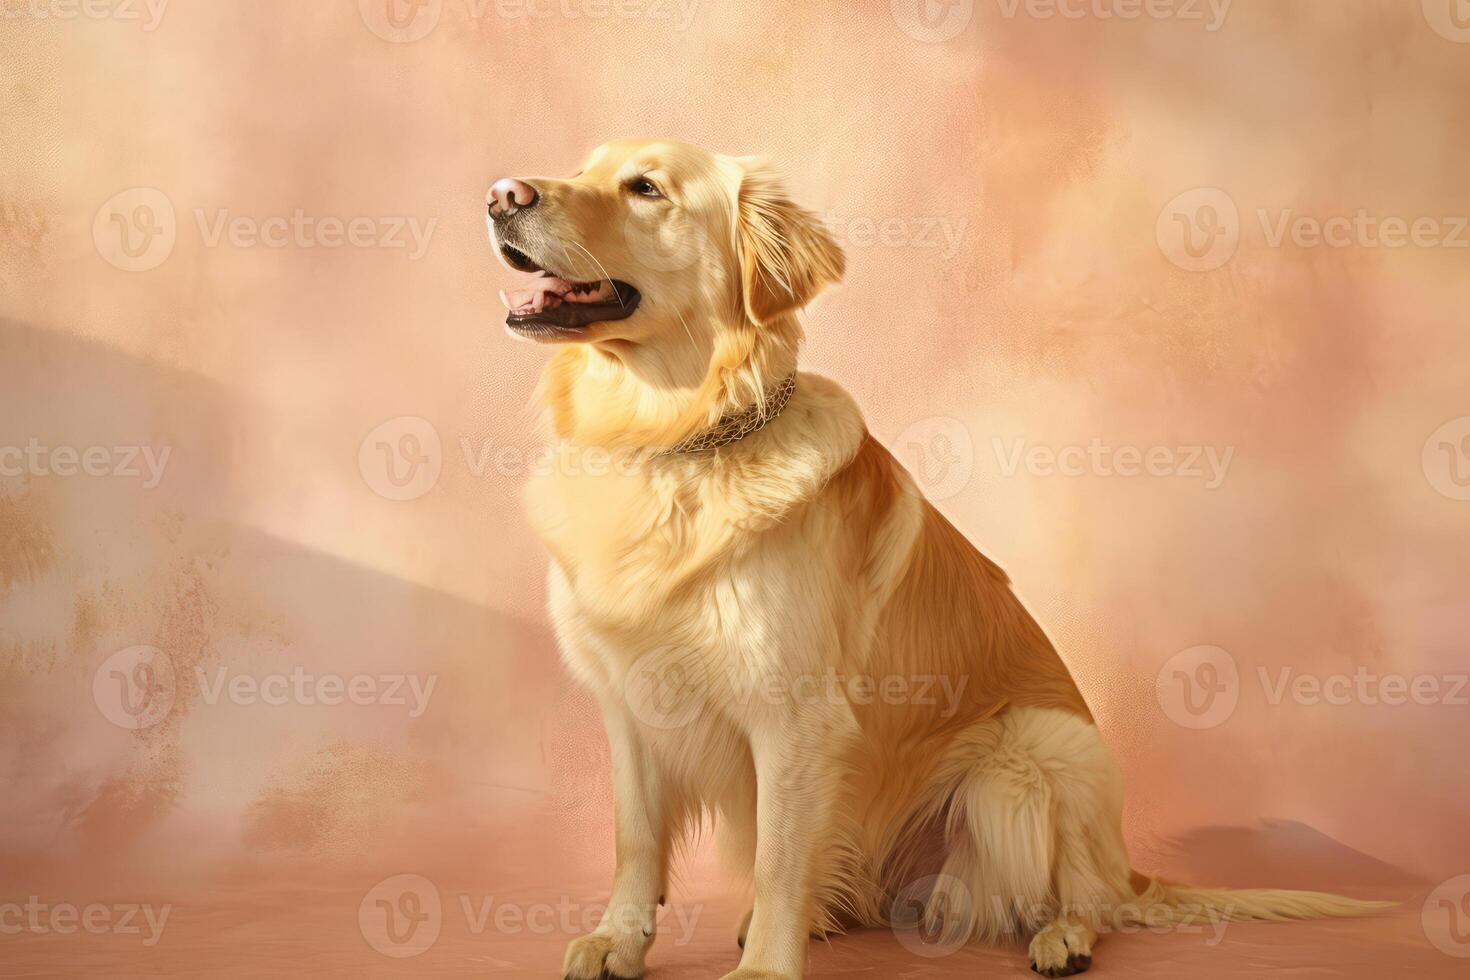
{"x": 1161, "y": 903}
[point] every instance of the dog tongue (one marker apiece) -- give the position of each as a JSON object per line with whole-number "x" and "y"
{"x": 544, "y": 293}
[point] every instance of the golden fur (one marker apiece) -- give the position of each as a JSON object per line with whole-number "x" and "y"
{"x": 707, "y": 598}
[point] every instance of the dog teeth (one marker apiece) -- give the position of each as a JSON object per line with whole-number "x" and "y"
{"x": 584, "y": 288}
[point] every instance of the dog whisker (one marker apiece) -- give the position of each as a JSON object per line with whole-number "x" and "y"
{"x": 685, "y": 325}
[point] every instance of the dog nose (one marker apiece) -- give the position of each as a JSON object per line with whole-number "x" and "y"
{"x": 508, "y": 195}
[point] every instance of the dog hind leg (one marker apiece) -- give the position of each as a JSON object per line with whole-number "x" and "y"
{"x": 1033, "y": 807}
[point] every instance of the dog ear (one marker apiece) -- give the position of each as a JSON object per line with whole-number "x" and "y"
{"x": 786, "y": 255}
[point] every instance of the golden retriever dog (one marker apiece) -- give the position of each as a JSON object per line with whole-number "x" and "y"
{"x": 757, "y": 594}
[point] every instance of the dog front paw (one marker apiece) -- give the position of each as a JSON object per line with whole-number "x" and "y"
{"x": 602, "y": 956}
{"x": 1062, "y": 949}
{"x": 1057, "y": 952}
{"x": 744, "y": 974}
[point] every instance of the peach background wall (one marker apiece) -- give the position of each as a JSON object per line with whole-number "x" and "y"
{"x": 251, "y": 236}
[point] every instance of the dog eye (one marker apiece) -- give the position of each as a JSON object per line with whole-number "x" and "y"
{"x": 644, "y": 187}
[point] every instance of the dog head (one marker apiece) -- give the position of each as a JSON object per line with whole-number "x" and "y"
{"x": 657, "y": 244}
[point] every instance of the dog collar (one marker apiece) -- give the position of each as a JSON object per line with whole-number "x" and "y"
{"x": 734, "y": 426}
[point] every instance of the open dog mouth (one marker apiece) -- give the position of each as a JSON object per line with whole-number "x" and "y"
{"x": 553, "y": 303}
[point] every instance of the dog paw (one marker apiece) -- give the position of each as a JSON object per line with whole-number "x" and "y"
{"x": 600, "y": 956}
{"x": 1055, "y": 953}
{"x": 744, "y": 974}
{"x": 744, "y": 929}
{"x": 1063, "y": 947}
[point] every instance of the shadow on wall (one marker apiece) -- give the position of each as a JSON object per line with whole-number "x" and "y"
{"x": 1279, "y": 854}
{"x": 176, "y": 687}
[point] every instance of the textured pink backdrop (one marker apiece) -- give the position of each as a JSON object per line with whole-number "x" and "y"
{"x": 1011, "y": 200}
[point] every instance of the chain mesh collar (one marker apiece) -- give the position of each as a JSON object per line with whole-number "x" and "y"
{"x": 734, "y": 426}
